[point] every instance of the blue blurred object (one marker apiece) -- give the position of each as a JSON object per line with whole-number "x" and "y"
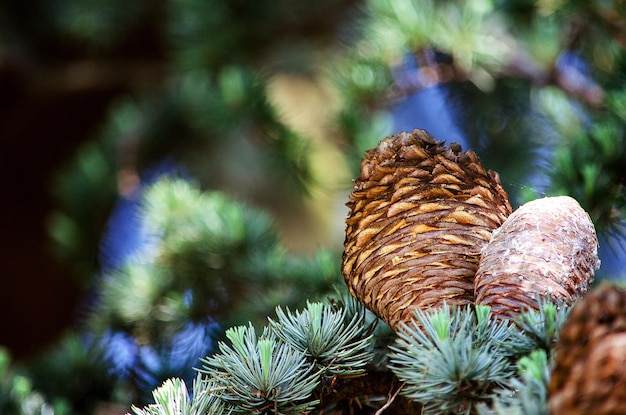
{"x": 121, "y": 351}
{"x": 574, "y": 70}
{"x": 427, "y": 110}
{"x": 612, "y": 253}
{"x": 425, "y": 107}
{"x": 178, "y": 357}
{"x": 124, "y": 234}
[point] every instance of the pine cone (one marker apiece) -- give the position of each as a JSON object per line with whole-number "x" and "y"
{"x": 589, "y": 376}
{"x": 547, "y": 247}
{"x": 420, "y": 214}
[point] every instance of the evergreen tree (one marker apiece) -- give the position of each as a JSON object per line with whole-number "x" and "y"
{"x": 208, "y": 195}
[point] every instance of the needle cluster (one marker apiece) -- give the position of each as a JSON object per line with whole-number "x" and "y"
{"x": 278, "y": 371}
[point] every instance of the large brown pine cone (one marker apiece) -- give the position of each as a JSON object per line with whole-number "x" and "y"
{"x": 589, "y": 376}
{"x": 420, "y": 214}
{"x": 546, "y": 248}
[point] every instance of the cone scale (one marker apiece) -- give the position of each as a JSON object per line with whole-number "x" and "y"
{"x": 546, "y": 248}
{"x": 419, "y": 215}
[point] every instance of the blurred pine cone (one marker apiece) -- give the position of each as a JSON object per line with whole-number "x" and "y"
{"x": 589, "y": 376}
{"x": 547, "y": 247}
{"x": 420, "y": 214}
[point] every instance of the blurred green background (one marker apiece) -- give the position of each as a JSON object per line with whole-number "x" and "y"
{"x": 271, "y": 104}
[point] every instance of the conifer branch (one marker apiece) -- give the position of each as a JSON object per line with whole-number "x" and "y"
{"x": 452, "y": 359}
{"x": 336, "y": 343}
{"x": 172, "y": 398}
{"x": 539, "y": 329}
{"x": 261, "y": 375}
{"x": 527, "y": 393}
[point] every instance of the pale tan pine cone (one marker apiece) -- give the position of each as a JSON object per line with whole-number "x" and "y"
{"x": 546, "y": 248}
{"x": 420, "y": 213}
{"x": 589, "y": 376}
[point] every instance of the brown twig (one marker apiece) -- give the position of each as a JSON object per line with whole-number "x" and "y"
{"x": 520, "y": 66}
{"x": 390, "y": 400}
{"x": 372, "y": 385}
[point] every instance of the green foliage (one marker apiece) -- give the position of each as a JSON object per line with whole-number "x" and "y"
{"x": 452, "y": 359}
{"x": 589, "y": 166}
{"x": 205, "y": 255}
{"x": 539, "y": 329}
{"x": 172, "y": 398}
{"x": 278, "y": 371}
{"x": 17, "y": 395}
{"x": 528, "y": 392}
{"x": 472, "y": 32}
{"x": 74, "y": 374}
{"x": 336, "y": 343}
{"x": 85, "y": 193}
{"x": 207, "y": 226}
{"x": 463, "y": 360}
{"x": 261, "y": 375}
{"x": 225, "y": 129}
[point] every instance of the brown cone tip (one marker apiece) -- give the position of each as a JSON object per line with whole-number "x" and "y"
{"x": 589, "y": 375}
{"x": 420, "y": 213}
{"x": 546, "y": 248}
